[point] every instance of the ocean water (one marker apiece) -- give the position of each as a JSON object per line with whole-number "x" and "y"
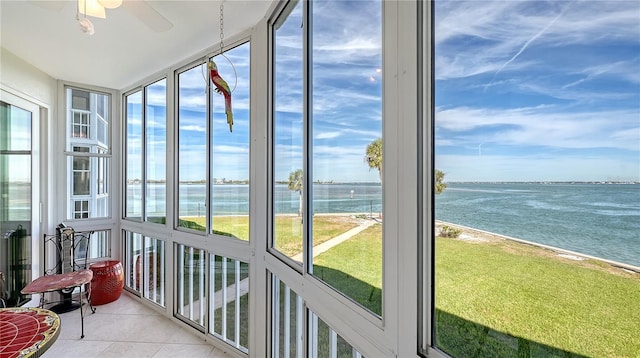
{"x": 593, "y": 219}
{"x": 601, "y": 220}
{"x": 231, "y": 199}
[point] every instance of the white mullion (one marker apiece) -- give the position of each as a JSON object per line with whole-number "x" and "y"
{"x": 162, "y": 278}
{"x": 299, "y": 327}
{"x": 333, "y": 343}
{"x": 133, "y": 262}
{"x": 144, "y": 265}
{"x": 127, "y": 258}
{"x": 224, "y": 298}
{"x": 287, "y": 321}
{"x": 180, "y": 279}
{"x": 313, "y": 336}
{"x": 190, "y": 276}
{"x": 237, "y": 318}
{"x": 201, "y": 285}
{"x": 212, "y": 285}
{"x": 154, "y": 264}
{"x": 275, "y": 319}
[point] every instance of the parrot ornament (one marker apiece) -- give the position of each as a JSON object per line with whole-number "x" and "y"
{"x": 223, "y": 88}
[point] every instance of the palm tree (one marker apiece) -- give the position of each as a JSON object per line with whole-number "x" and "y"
{"x": 374, "y": 156}
{"x": 374, "y": 159}
{"x": 296, "y": 184}
{"x": 440, "y": 184}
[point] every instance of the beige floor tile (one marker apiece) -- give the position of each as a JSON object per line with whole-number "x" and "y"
{"x": 184, "y": 350}
{"x": 130, "y": 350}
{"x": 127, "y": 328}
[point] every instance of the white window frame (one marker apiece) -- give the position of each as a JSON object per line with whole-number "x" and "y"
{"x": 396, "y": 333}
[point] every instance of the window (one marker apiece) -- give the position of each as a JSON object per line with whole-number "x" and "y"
{"x": 191, "y": 275}
{"x": 213, "y": 157}
{"x": 81, "y": 124}
{"x": 287, "y": 323}
{"x": 289, "y": 333}
{"x": 156, "y": 152}
{"x": 327, "y": 145}
{"x": 192, "y": 148}
{"x": 132, "y": 251}
{"x": 134, "y": 159}
{"x": 88, "y": 154}
{"x": 536, "y": 134}
{"x": 151, "y": 270}
{"x": 19, "y": 125}
{"x": 146, "y": 169}
{"x": 229, "y": 303}
{"x": 81, "y": 173}
{"x": 81, "y": 209}
{"x": 288, "y": 132}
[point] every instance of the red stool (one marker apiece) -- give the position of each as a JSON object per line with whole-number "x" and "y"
{"x": 108, "y": 281}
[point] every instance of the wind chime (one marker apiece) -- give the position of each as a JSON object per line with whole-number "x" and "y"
{"x": 220, "y": 84}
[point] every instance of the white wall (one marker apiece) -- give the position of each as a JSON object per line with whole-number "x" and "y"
{"x": 25, "y": 85}
{"x": 26, "y": 80}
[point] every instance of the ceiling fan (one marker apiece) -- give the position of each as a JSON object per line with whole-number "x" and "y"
{"x": 96, "y": 8}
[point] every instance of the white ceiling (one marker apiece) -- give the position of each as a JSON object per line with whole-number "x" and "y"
{"x": 123, "y": 49}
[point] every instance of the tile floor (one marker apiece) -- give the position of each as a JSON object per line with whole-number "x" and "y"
{"x": 126, "y": 328}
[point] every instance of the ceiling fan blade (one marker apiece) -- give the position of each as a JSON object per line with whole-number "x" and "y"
{"x": 148, "y": 15}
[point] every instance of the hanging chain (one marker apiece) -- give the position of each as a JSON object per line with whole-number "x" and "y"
{"x": 221, "y": 27}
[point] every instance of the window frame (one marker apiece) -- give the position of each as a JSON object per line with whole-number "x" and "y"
{"x": 389, "y": 335}
{"x": 103, "y": 152}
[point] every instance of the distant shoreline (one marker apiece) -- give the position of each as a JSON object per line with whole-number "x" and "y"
{"x": 331, "y": 182}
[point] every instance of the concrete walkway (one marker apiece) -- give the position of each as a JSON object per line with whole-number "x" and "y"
{"x": 317, "y": 250}
{"x": 325, "y": 246}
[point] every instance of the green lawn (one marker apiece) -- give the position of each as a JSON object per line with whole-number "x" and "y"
{"x": 505, "y": 298}
{"x": 288, "y": 238}
{"x": 288, "y": 229}
{"x": 355, "y": 268}
{"x": 493, "y": 298}
{"x": 525, "y": 292}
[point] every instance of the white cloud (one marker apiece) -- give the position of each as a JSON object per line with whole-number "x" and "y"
{"x": 195, "y": 128}
{"x": 536, "y": 168}
{"x": 541, "y": 126}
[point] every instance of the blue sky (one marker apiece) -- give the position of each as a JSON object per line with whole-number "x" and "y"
{"x": 524, "y": 91}
{"x": 538, "y": 90}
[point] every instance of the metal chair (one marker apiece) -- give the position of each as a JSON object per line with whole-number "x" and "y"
{"x": 67, "y": 273}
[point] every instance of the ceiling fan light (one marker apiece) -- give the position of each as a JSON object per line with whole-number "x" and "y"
{"x": 110, "y": 4}
{"x": 93, "y": 8}
{"x": 86, "y": 26}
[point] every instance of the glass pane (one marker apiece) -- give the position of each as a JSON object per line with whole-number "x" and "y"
{"x": 152, "y": 268}
{"x": 288, "y": 132}
{"x": 229, "y": 310}
{"x": 156, "y": 154}
{"x": 190, "y": 283}
{"x": 15, "y": 128}
{"x": 80, "y": 99}
{"x": 192, "y": 149}
{"x": 325, "y": 342}
{"x": 87, "y": 176}
{"x": 230, "y": 150}
{"x": 537, "y": 252}
{"x": 15, "y": 186}
{"x": 100, "y": 244}
{"x": 288, "y": 321}
{"x": 132, "y": 250}
{"x": 133, "y": 198}
{"x": 347, "y": 148}
{"x": 15, "y": 202}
